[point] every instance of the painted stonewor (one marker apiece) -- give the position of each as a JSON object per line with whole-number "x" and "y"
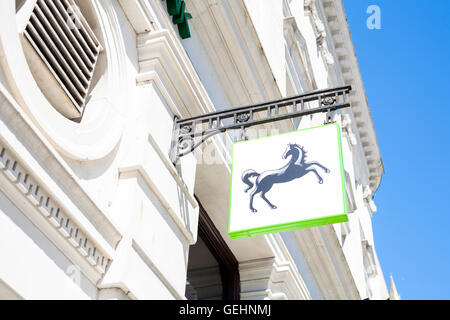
{"x": 303, "y": 188}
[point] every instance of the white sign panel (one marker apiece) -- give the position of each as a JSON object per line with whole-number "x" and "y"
{"x": 288, "y": 181}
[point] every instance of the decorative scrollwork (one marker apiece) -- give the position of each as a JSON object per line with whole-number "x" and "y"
{"x": 185, "y": 129}
{"x": 185, "y": 143}
{"x": 328, "y": 101}
{"x": 190, "y": 133}
{"x": 243, "y": 117}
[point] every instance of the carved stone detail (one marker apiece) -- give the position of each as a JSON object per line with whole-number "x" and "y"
{"x": 55, "y": 215}
{"x": 367, "y": 195}
{"x": 347, "y": 128}
{"x": 319, "y": 30}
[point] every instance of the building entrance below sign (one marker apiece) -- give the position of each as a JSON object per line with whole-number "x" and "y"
{"x": 213, "y": 271}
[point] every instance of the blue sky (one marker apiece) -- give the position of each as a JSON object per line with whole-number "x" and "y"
{"x": 405, "y": 67}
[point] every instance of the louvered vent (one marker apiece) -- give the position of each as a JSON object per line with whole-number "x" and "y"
{"x": 68, "y": 48}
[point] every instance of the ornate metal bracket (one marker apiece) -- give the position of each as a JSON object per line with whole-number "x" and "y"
{"x": 190, "y": 133}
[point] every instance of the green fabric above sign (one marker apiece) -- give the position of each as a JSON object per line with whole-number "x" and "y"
{"x": 177, "y": 9}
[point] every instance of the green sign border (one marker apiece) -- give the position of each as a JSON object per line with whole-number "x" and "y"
{"x": 343, "y": 217}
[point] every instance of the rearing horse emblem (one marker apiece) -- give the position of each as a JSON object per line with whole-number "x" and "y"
{"x": 296, "y": 168}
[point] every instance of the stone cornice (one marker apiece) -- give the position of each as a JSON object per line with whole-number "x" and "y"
{"x": 81, "y": 225}
{"x": 275, "y": 278}
{"x": 348, "y": 65}
{"x": 269, "y": 279}
{"x": 160, "y": 52}
{"x": 55, "y": 215}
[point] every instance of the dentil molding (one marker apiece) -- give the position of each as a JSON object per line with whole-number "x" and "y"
{"x": 39, "y": 197}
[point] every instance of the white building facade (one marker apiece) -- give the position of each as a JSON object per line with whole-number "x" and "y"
{"x": 91, "y": 206}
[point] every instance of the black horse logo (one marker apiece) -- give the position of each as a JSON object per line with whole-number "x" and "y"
{"x": 296, "y": 168}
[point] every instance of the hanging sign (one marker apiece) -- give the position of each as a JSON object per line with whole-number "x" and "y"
{"x": 289, "y": 181}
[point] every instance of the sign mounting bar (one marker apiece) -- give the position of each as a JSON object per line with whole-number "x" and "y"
{"x": 190, "y": 133}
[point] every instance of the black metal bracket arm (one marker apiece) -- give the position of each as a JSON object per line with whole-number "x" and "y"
{"x": 190, "y": 133}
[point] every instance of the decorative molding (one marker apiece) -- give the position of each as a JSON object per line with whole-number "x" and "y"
{"x": 274, "y": 278}
{"x": 44, "y": 188}
{"x": 160, "y": 52}
{"x": 319, "y": 30}
{"x": 346, "y": 125}
{"x": 367, "y": 195}
{"x": 369, "y": 259}
{"x": 265, "y": 279}
{"x": 39, "y": 197}
{"x": 345, "y": 53}
{"x": 255, "y": 279}
{"x": 164, "y": 63}
{"x": 25, "y": 139}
